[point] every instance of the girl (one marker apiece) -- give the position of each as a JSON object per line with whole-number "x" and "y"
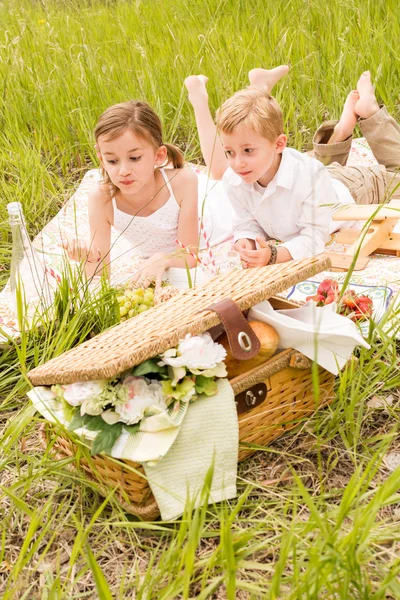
{"x": 149, "y": 205}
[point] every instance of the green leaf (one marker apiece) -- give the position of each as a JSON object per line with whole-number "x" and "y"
{"x": 96, "y": 423}
{"x": 206, "y": 385}
{"x": 149, "y": 366}
{"x": 105, "y": 440}
{"x": 77, "y": 420}
{"x": 132, "y": 428}
{"x": 68, "y": 410}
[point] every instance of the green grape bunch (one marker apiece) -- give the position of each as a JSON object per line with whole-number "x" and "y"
{"x": 133, "y": 301}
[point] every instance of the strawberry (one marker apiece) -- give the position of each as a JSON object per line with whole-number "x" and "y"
{"x": 364, "y": 306}
{"x": 349, "y": 299}
{"x": 351, "y": 305}
{"x": 330, "y": 298}
{"x": 318, "y": 298}
{"x": 327, "y": 287}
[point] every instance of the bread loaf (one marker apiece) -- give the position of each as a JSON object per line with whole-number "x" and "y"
{"x": 269, "y": 341}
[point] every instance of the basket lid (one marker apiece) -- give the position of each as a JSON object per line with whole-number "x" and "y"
{"x": 147, "y": 334}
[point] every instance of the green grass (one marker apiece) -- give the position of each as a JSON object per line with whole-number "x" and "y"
{"x": 318, "y": 512}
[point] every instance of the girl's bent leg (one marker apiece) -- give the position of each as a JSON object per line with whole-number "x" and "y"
{"x": 211, "y": 146}
{"x": 267, "y": 78}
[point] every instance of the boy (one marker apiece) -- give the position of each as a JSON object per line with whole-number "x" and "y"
{"x": 277, "y": 192}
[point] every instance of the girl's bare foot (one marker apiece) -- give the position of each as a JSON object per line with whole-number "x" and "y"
{"x": 345, "y": 127}
{"x": 367, "y": 104}
{"x": 266, "y": 79}
{"x": 196, "y": 86}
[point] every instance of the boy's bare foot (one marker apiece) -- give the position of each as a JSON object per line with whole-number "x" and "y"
{"x": 196, "y": 86}
{"x": 348, "y": 119}
{"x": 367, "y": 104}
{"x": 267, "y": 78}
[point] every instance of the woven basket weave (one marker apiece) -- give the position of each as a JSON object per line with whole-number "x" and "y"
{"x": 290, "y": 399}
{"x": 156, "y": 330}
{"x": 290, "y": 391}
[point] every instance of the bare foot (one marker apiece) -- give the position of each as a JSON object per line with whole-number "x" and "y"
{"x": 367, "y": 105}
{"x": 345, "y": 127}
{"x": 264, "y": 78}
{"x": 196, "y": 86}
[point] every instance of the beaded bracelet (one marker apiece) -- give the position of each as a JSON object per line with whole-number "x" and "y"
{"x": 274, "y": 254}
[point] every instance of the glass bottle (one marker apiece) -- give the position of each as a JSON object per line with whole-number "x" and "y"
{"x": 27, "y": 272}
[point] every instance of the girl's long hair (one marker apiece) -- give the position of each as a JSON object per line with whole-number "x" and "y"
{"x": 141, "y": 119}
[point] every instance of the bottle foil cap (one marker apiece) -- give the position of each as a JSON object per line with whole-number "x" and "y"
{"x": 14, "y": 208}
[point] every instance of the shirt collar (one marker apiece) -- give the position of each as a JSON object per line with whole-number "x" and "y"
{"x": 284, "y": 175}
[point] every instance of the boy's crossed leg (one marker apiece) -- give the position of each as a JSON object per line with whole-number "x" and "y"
{"x": 332, "y": 144}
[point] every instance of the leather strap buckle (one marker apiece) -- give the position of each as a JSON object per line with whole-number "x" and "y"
{"x": 251, "y": 398}
{"x": 242, "y": 340}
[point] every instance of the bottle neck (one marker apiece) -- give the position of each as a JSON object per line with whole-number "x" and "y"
{"x": 16, "y": 219}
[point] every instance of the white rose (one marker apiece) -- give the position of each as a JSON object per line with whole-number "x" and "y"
{"x": 78, "y": 393}
{"x": 196, "y": 352}
{"x": 142, "y": 396}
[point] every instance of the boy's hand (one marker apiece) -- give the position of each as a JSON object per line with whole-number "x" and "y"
{"x": 241, "y": 246}
{"x": 79, "y": 251}
{"x": 256, "y": 258}
{"x": 244, "y": 244}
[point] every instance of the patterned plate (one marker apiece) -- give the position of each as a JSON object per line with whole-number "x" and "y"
{"x": 380, "y": 295}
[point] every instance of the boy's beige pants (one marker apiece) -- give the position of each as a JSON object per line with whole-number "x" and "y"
{"x": 367, "y": 185}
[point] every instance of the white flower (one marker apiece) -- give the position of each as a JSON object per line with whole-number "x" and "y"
{"x": 92, "y": 406}
{"x": 142, "y": 398}
{"x": 176, "y": 374}
{"x": 80, "y": 392}
{"x": 218, "y": 371}
{"x": 196, "y": 352}
{"x": 110, "y": 417}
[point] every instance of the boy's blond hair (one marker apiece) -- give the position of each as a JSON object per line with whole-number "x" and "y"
{"x": 253, "y": 108}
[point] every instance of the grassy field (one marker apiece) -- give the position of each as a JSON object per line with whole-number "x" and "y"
{"x": 318, "y": 514}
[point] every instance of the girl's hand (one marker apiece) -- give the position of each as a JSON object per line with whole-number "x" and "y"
{"x": 256, "y": 258}
{"x": 152, "y": 270}
{"x": 79, "y": 251}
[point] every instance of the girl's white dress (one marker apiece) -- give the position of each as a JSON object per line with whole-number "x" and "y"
{"x": 156, "y": 232}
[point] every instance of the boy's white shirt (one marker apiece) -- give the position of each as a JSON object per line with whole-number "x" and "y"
{"x": 289, "y": 208}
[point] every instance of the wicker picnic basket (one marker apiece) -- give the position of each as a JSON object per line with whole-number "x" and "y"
{"x": 271, "y": 398}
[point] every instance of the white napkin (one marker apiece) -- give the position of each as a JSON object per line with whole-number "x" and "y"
{"x": 317, "y": 332}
